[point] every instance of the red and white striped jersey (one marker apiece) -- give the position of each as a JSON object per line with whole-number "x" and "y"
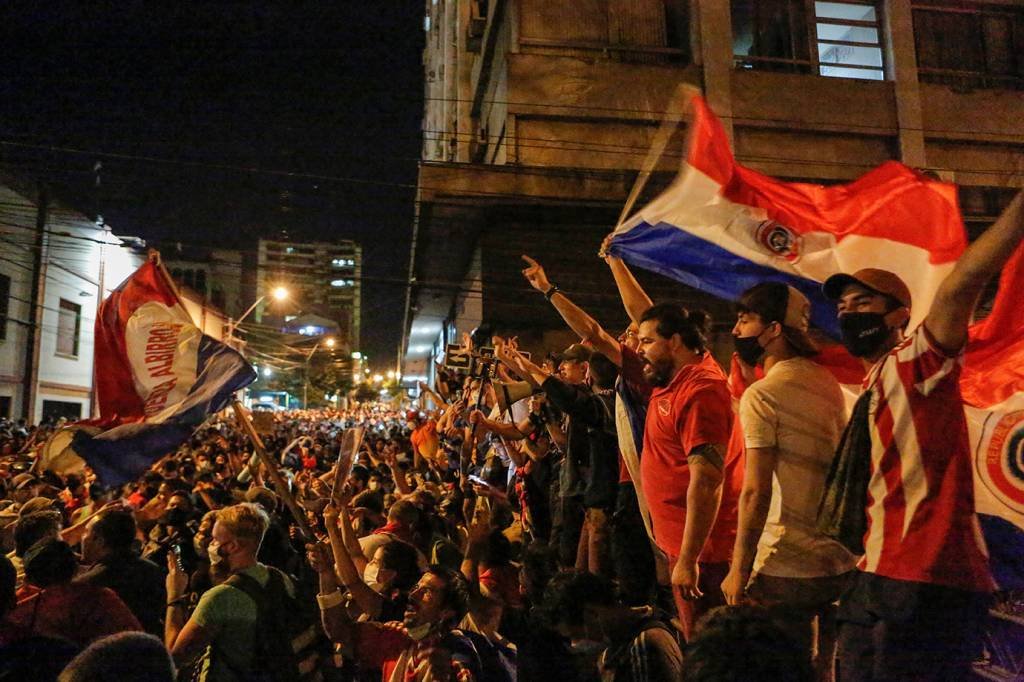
{"x": 921, "y": 520}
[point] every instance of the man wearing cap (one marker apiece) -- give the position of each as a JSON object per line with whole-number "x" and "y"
{"x": 792, "y": 420}
{"x": 569, "y": 516}
{"x": 918, "y": 605}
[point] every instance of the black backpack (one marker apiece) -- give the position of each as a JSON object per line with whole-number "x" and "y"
{"x": 289, "y": 640}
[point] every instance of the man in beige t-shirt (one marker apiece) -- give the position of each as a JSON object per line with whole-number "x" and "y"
{"x": 792, "y": 421}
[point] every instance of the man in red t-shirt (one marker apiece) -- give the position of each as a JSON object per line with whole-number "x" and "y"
{"x": 686, "y": 437}
{"x": 918, "y": 604}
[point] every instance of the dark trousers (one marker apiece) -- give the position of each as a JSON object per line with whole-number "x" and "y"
{"x": 632, "y": 555}
{"x": 568, "y": 525}
{"x": 898, "y": 630}
{"x": 805, "y": 609}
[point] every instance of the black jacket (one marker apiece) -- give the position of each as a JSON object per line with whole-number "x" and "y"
{"x": 138, "y": 582}
{"x": 595, "y": 411}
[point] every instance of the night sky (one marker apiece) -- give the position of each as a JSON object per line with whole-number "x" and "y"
{"x": 250, "y": 118}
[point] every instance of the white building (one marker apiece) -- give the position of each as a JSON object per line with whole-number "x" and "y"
{"x": 46, "y": 350}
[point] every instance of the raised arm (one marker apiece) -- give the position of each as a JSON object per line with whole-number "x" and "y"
{"x": 585, "y": 326}
{"x": 958, "y": 294}
{"x": 333, "y": 616}
{"x": 634, "y": 298}
{"x": 368, "y": 601}
{"x": 503, "y": 429}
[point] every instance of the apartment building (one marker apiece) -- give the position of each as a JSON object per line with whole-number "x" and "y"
{"x": 323, "y": 278}
{"x": 538, "y": 114}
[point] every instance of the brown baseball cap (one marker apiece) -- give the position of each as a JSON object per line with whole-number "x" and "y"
{"x": 881, "y": 281}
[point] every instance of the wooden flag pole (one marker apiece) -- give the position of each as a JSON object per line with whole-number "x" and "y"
{"x": 280, "y": 485}
{"x": 677, "y": 105}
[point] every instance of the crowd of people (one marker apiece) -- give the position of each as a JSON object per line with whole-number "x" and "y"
{"x": 622, "y": 509}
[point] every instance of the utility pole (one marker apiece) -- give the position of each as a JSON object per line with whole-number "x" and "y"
{"x": 37, "y": 298}
{"x": 94, "y": 407}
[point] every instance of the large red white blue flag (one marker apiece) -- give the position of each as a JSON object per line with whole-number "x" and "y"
{"x": 721, "y": 228}
{"x": 158, "y": 377}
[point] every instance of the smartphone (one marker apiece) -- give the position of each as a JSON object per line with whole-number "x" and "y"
{"x": 176, "y": 548}
{"x": 479, "y": 481}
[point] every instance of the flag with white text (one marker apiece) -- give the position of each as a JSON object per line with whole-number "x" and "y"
{"x": 158, "y": 377}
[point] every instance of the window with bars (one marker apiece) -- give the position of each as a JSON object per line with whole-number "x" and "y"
{"x": 69, "y": 326}
{"x": 849, "y": 40}
{"x": 840, "y": 39}
{"x": 969, "y": 45}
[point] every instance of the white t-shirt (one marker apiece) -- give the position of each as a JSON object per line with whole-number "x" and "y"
{"x": 797, "y": 408}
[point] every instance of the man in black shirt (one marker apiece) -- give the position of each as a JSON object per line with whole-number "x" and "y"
{"x": 108, "y": 546}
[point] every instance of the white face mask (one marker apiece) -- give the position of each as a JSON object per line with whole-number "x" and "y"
{"x": 370, "y": 575}
{"x": 418, "y": 632}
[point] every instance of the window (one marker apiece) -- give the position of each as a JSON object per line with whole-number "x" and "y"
{"x": 5, "y": 304}
{"x": 5, "y": 406}
{"x": 342, "y": 283}
{"x": 343, "y": 262}
{"x": 56, "y": 409}
{"x": 849, "y": 44}
{"x": 69, "y": 325}
{"x": 771, "y": 35}
{"x": 834, "y": 39}
{"x": 969, "y": 46}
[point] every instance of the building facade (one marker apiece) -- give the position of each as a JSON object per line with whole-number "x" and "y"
{"x": 213, "y": 275}
{"x": 538, "y": 114}
{"x": 56, "y": 265}
{"x": 323, "y": 279}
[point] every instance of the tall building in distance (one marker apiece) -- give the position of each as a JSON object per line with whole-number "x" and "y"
{"x": 323, "y": 279}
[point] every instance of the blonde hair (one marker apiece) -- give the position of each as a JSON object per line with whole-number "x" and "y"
{"x": 246, "y": 521}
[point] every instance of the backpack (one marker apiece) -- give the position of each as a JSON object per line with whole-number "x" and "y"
{"x": 288, "y": 635}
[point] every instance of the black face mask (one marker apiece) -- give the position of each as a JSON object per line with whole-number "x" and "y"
{"x": 174, "y": 517}
{"x": 863, "y": 333}
{"x": 748, "y": 348}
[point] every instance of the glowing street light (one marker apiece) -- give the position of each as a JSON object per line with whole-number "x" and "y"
{"x": 391, "y": 374}
{"x": 329, "y": 342}
{"x": 278, "y": 294}
{"x": 377, "y": 378}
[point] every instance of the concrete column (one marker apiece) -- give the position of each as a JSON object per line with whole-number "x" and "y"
{"x": 901, "y": 68}
{"x": 715, "y": 55}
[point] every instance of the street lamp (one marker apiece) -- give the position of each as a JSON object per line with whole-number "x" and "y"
{"x": 278, "y": 294}
{"x": 329, "y": 342}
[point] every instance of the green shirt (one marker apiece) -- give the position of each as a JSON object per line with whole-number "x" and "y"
{"x": 229, "y": 614}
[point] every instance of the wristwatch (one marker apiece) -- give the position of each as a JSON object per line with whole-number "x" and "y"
{"x": 552, "y": 290}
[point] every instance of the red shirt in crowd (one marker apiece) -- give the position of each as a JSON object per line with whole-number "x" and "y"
{"x": 388, "y": 647}
{"x": 921, "y": 521}
{"x": 694, "y": 409}
{"x": 78, "y": 612}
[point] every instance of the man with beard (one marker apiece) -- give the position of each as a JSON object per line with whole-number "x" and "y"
{"x": 225, "y": 621}
{"x": 686, "y": 434}
{"x": 423, "y": 646}
{"x": 918, "y": 604}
